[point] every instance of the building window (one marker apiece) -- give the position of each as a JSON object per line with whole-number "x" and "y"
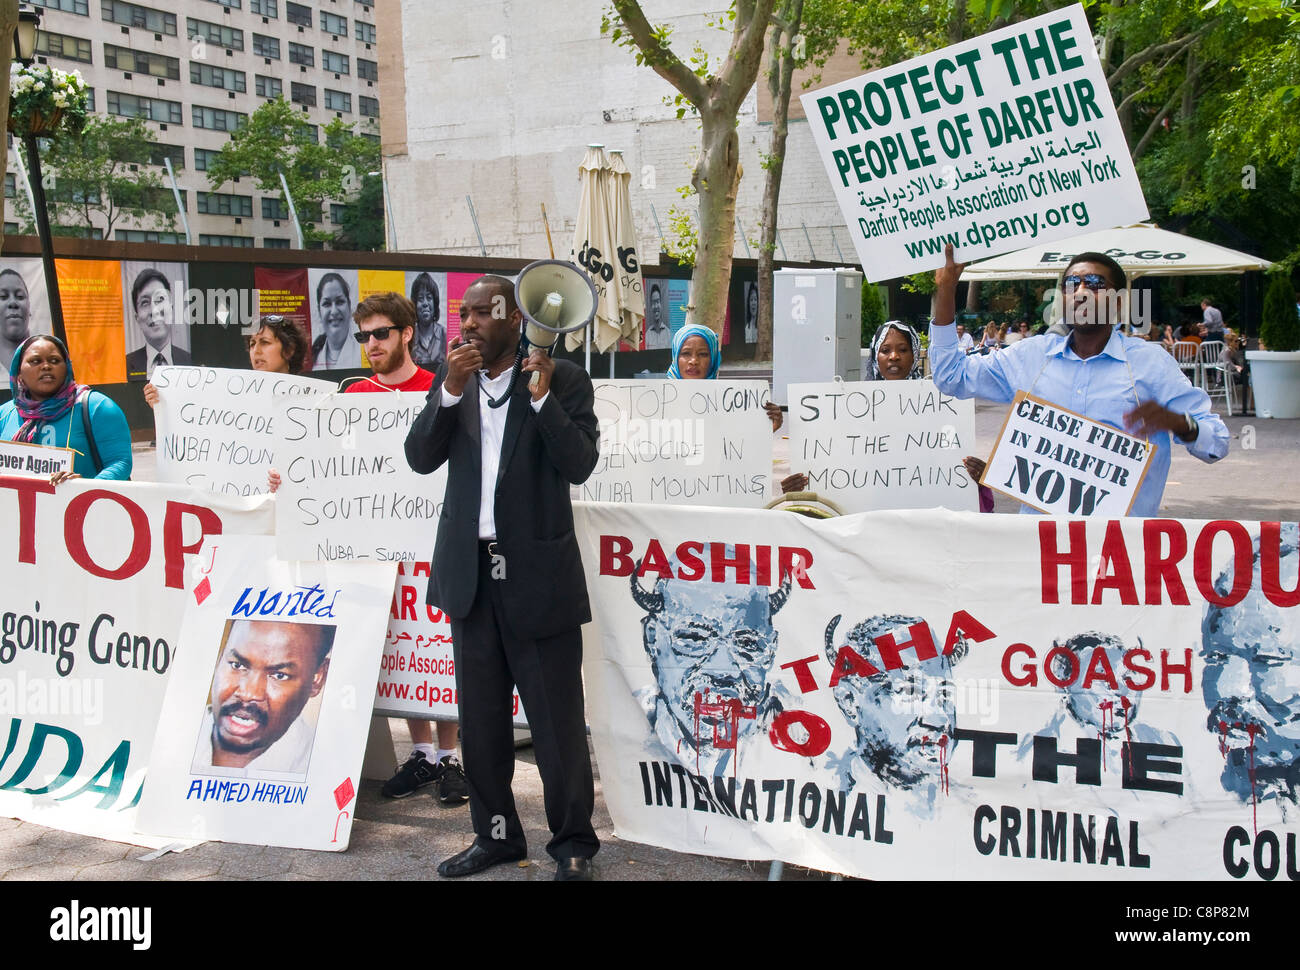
{"x": 302, "y": 94}
{"x": 274, "y": 208}
{"x": 224, "y": 204}
{"x": 60, "y": 45}
{"x": 218, "y": 77}
{"x": 367, "y": 70}
{"x": 11, "y": 185}
{"x": 241, "y": 242}
{"x": 296, "y": 13}
{"x": 68, "y": 6}
{"x": 218, "y": 34}
{"x": 267, "y": 8}
{"x": 267, "y": 243}
{"x": 217, "y": 119}
{"x": 234, "y": 4}
{"x": 268, "y": 87}
{"x": 364, "y": 32}
{"x": 158, "y": 152}
{"x": 205, "y": 158}
{"x": 337, "y": 212}
{"x": 151, "y": 109}
{"x": 338, "y": 100}
{"x": 310, "y": 132}
{"x": 142, "y": 62}
{"x": 369, "y": 106}
{"x": 266, "y": 47}
{"x": 332, "y": 23}
{"x": 300, "y": 54}
{"x": 148, "y": 236}
{"x": 338, "y": 63}
{"x": 134, "y": 15}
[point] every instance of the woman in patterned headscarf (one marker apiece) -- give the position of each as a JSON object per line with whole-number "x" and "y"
{"x": 50, "y": 408}
{"x": 697, "y": 356}
{"x": 895, "y": 353}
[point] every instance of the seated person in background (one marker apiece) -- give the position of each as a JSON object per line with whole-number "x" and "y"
{"x": 1018, "y": 333}
{"x": 989, "y": 341}
{"x": 1233, "y": 359}
{"x": 1095, "y": 371}
{"x": 1190, "y": 333}
{"x": 965, "y": 342}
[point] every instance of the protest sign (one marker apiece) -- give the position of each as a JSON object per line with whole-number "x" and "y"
{"x": 1063, "y": 463}
{"x": 993, "y": 144}
{"x": 216, "y": 425}
{"x": 682, "y": 443}
{"x": 417, "y": 676}
{"x": 936, "y": 694}
{"x": 89, "y": 619}
{"x": 347, "y": 490}
{"x": 22, "y": 458}
{"x": 264, "y": 724}
{"x": 883, "y": 444}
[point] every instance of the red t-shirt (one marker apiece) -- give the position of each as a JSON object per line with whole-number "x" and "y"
{"x": 421, "y": 381}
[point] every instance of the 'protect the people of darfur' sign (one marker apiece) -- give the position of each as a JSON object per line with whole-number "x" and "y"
{"x": 992, "y": 145}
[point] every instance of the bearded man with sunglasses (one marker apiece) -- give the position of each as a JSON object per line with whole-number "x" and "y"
{"x": 1093, "y": 370}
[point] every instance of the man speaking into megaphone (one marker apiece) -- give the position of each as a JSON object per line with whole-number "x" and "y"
{"x": 507, "y": 571}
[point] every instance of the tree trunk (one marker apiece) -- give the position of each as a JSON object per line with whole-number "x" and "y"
{"x": 716, "y": 179}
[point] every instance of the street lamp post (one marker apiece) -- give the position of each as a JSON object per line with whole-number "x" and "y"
{"x": 29, "y": 19}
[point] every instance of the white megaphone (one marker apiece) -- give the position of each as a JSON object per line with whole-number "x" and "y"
{"x": 555, "y": 297}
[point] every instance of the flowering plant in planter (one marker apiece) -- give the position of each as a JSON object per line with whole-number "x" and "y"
{"x": 45, "y": 100}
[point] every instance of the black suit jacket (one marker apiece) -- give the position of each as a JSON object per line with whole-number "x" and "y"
{"x": 137, "y": 361}
{"x": 545, "y": 591}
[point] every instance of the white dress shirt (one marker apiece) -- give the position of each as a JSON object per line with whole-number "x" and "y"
{"x": 492, "y": 429}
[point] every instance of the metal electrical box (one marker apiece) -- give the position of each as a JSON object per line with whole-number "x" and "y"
{"x": 816, "y": 327}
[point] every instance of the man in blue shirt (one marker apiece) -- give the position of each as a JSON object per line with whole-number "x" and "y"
{"x": 1095, "y": 371}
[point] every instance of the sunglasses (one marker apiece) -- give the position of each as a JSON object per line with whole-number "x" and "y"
{"x": 379, "y": 333}
{"x": 1092, "y": 281}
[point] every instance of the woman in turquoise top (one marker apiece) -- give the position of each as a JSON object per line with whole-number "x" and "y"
{"x": 47, "y": 409}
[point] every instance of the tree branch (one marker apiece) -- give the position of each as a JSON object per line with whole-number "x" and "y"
{"x": 1152, "y": 128}
{"x": 659, "y": 56}
{"x": 741, "y": 66}
{"x": 1134, "y": 61}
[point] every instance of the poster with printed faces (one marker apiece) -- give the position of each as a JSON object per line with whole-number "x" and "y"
{"x": 155, "y": 327}
{"x": 428, "y": 294}
{"x": 333, "y": 296}
{"x": 24, "y": 306}
{"x": 264, "y": 724}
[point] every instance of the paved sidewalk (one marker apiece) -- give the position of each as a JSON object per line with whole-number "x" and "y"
{"x": 405, "y": 839}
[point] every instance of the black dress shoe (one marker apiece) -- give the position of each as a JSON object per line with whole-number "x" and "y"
{"x": 577, "y": 869}
{"x": 477, "y": 858}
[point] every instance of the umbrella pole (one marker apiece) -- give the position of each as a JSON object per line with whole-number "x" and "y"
{"x": 586, "y": 353}
{"x": 612, "y": 351}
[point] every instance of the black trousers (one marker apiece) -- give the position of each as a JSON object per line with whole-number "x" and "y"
{"x": 490, "y": 663}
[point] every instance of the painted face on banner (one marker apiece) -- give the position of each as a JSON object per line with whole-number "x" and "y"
{"x": 335, "y": 312}
{"x": 15, "y": 307}
{"x": 1251, "y": 683}
{"x": 905, "y": 720}
{"x": 1102, "y": 707}
{"x": 153, "y": 313}
{"x": 711, "y": 647}
{"x": 267, "y": 673}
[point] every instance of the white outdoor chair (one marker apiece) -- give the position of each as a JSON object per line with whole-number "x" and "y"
{"x": 1216, "y": 378}
{"x": 1186, "y": 353}
{"x": 1208, "y": 357}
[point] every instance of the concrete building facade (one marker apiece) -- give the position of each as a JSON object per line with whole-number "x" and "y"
{"x": 496, "y": 101}
{"x": 196, "y": 69}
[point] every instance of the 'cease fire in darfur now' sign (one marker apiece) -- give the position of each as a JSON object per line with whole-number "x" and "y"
{"x": 1062, "y": 463}
{"x": 991, "y": 145}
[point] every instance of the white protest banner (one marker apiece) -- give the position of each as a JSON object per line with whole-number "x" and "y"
{"x": 1063, "y": 463}
{"x": 947, "y": 695}
{"x": 682, "y": 443}
{"x": 883, "y": 444}
{"x": 22, "y": 458}
{"x": 216, "y": 425}
{"x": 347, "y": 490}
{"x": 417, "y": 677}
{"x": 993, "y": 144}
{"x": 89, "y": 620}
{"x": 264, "y": 724}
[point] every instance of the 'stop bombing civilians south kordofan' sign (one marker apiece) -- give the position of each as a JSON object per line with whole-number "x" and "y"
{"x": 993, "y": 144}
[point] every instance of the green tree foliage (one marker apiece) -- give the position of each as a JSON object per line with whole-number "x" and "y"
{"x": 1280, "y": 327}
{"x": 873, "y": 312}
{"x": 94, "y": 179}
{"x": 332, "y": 168}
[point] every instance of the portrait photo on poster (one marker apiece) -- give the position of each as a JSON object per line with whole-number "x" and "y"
{"x": 751, "y": 313}
{"x": 153, "y": 314}
{"x": 24, "y": 305}
{"x": 657, "y": 333}
{"x": 427, "y": 291}
{"x": 264, "y": 702}
{"x": 333, "y": 296}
